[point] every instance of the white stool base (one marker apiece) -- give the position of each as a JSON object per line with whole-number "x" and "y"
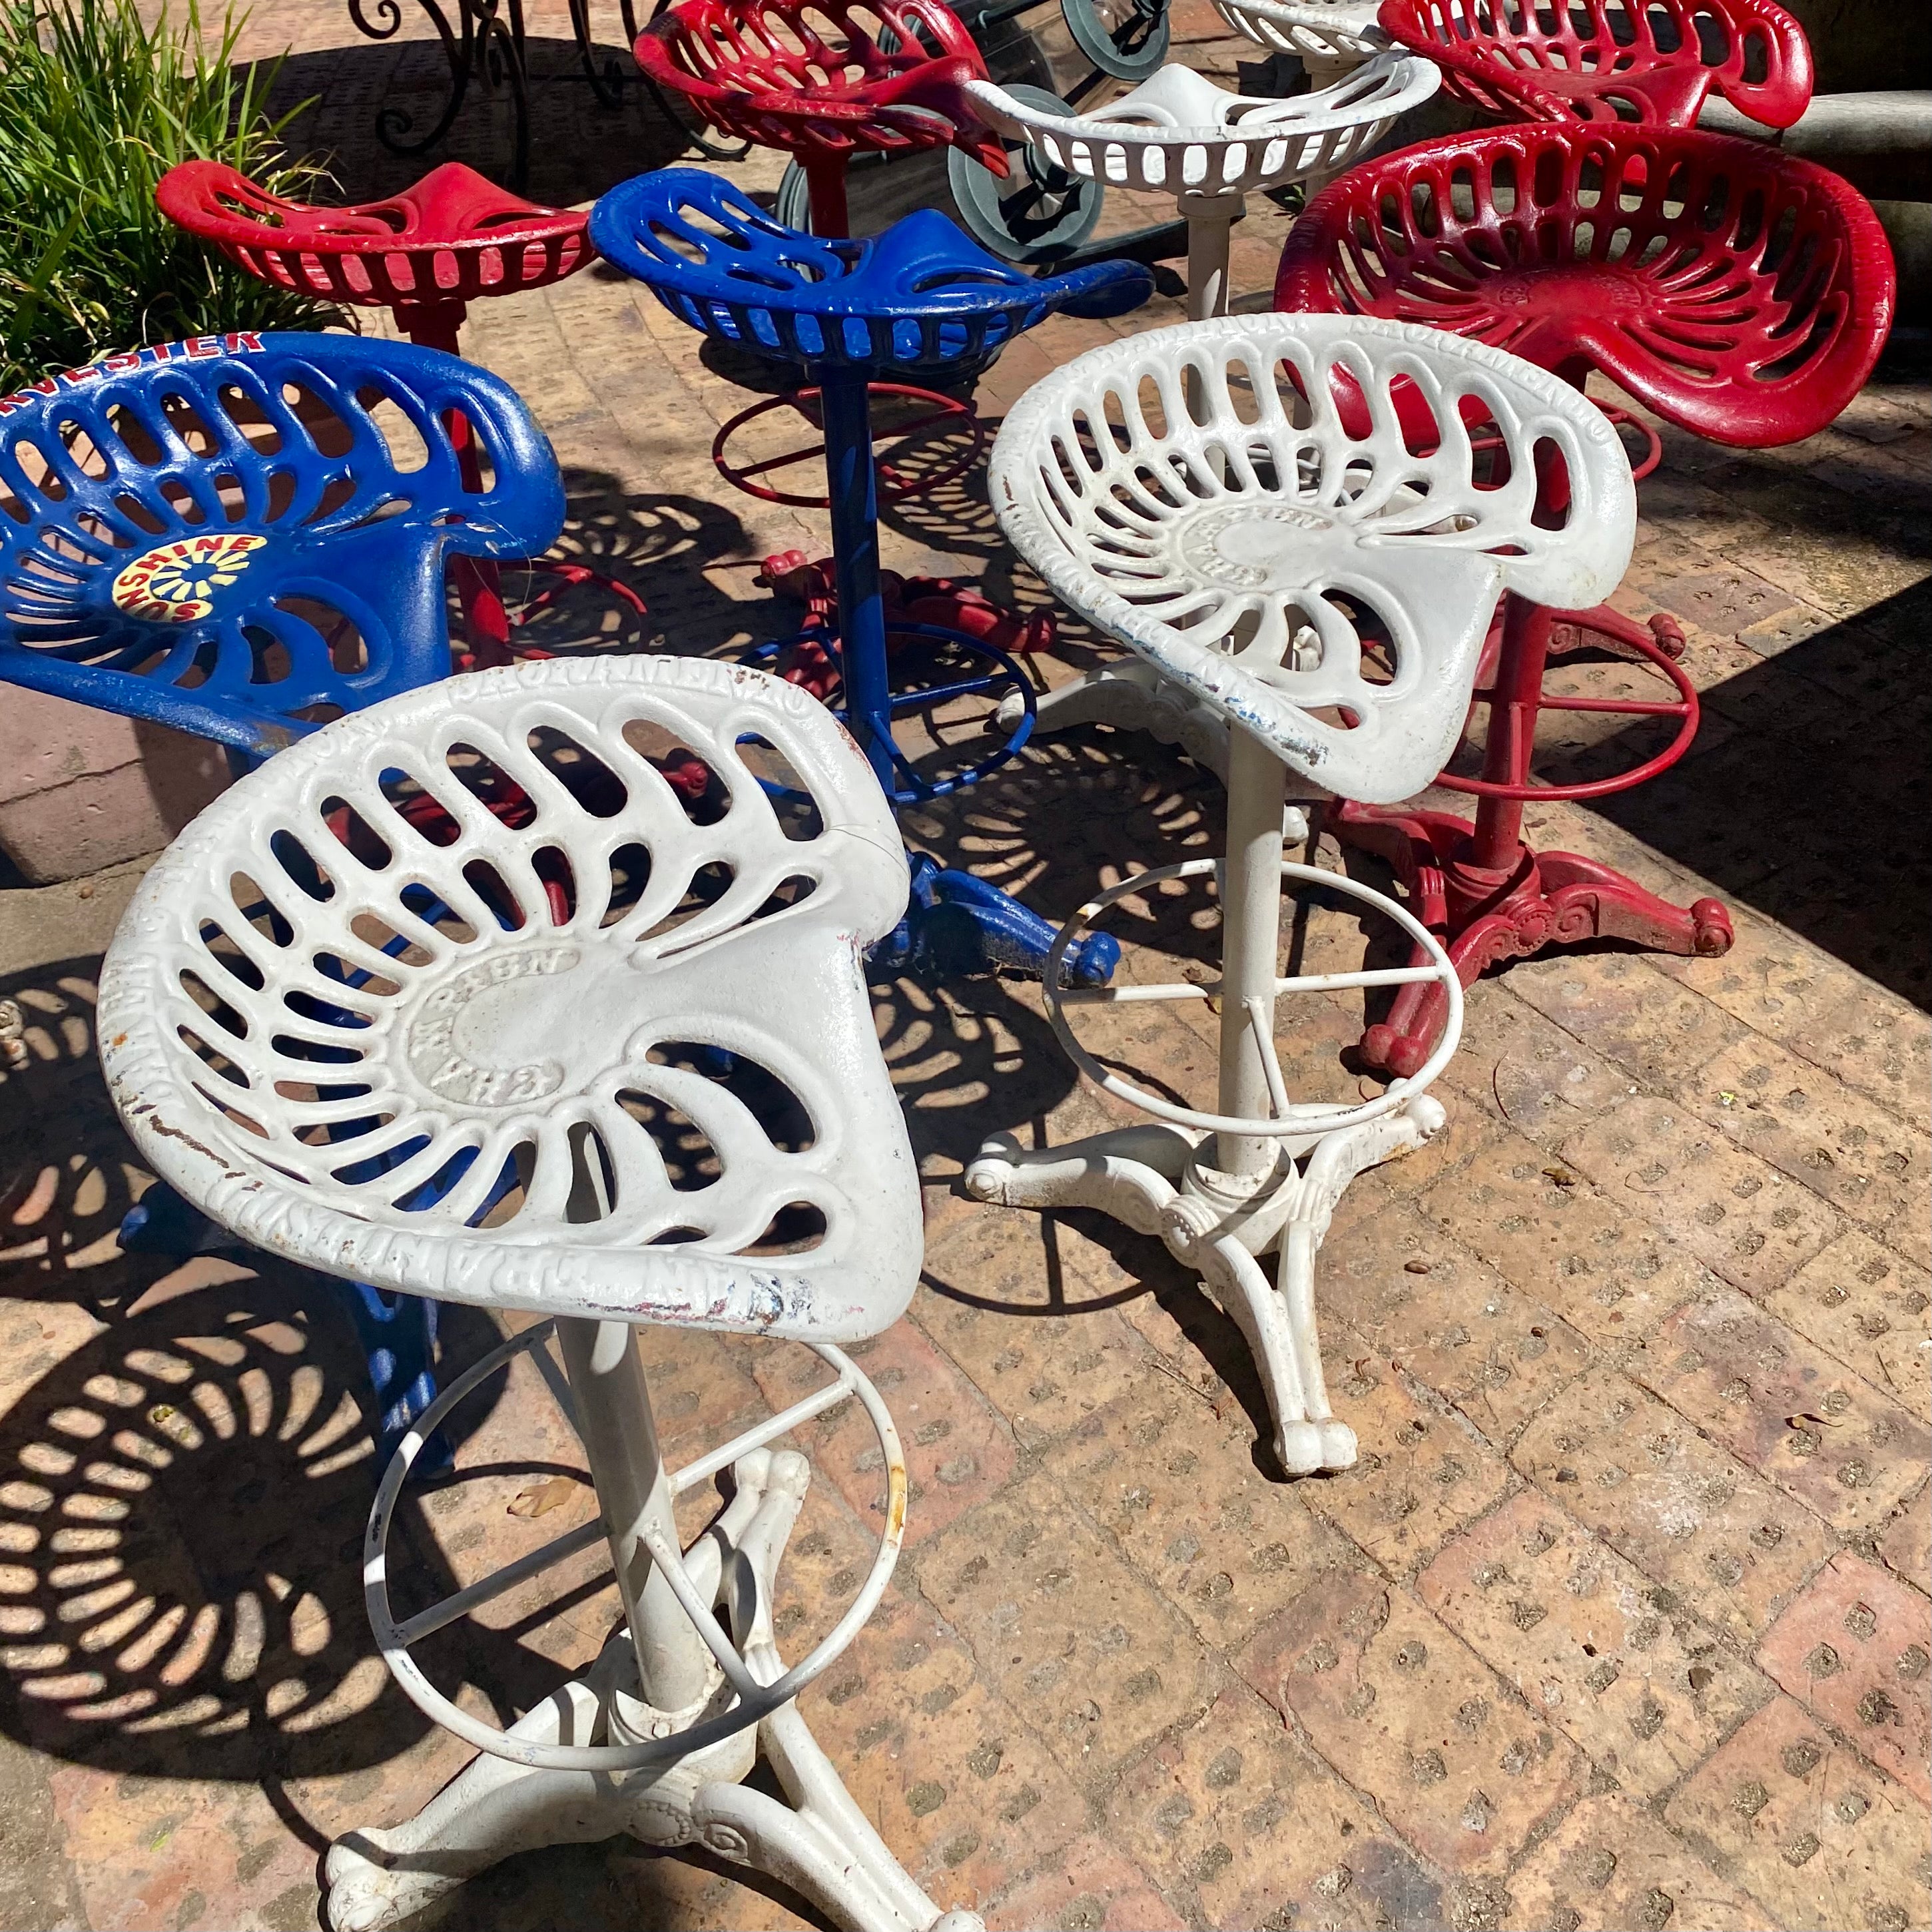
{"x": 1150, "y": 1178}
{"x": 820, "y": 1843}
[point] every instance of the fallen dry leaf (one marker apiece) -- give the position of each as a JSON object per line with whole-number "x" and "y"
{"x": 540, "y": 1499}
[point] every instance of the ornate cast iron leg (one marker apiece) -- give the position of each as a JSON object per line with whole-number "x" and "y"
{"x": 1479, "y": 886}
{"x": 652, "y": 1679}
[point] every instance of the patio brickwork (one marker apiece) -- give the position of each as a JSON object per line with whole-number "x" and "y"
{"x": 1620, "y": 1621}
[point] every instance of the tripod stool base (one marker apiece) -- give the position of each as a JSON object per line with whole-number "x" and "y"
{"x": 1486, "y": 915}
{"x": 1152, "y": 1179}
{"x": 819, "y": 1844}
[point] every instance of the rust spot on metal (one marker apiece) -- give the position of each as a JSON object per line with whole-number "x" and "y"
{"x": 157, "y": 1125}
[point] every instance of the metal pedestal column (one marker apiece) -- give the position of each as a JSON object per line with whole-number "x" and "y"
{"x": 1224, "y": 1191}
{"x": 955, "y": 922}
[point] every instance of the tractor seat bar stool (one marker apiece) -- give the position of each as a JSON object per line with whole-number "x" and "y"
{"x": 1251, "y": 504}
{"x": 825, "y": 84}
{"x": 234, "y": 536}
{"x": 1607, "y": 61}
{"x": 923, "y": 297}
{"x": 502, "y": 1112}
{"x": 891, "y": 82}
{"x": 1329, "y": 37}
{"x": 1742, "y": 295}
{"x": 1179, "y": 134}
{"x": 425, "y": 255}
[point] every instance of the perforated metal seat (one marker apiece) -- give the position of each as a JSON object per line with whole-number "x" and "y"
{"x": 240, "y": 536}
{"x": 1328, "y": 36}
{"x": 488, "y": 914}
{"x": 465, "y": 996}
{"x": 450, "y": 239}
{"x": 824, "y": 82}
{"x": 1180, "y": 133}
{"x": 1603, "y": 60}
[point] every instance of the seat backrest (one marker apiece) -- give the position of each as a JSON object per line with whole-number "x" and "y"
{"x": 1307, "y": 521}
{"x": 1651, "y": 61}
{"x": 451, "y": 237}
{"x": 922, "y": 295}
{"x": 242, "y": 536}
{"x": 543, "y": 989}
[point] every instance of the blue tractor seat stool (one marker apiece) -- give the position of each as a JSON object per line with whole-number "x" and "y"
{"x": 242, "y": 536}
{"x": 921, "y": 298}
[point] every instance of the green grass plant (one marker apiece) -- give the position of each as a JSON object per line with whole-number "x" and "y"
{"x": 95, "y": 106}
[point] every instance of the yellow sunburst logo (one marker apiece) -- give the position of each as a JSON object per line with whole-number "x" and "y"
{"x": 177, "y": 583}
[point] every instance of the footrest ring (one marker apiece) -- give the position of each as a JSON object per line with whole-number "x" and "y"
{"x": 1291, "y": 1120}
{"x": 756, "y": 1700}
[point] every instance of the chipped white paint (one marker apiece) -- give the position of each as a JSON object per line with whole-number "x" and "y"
{"x": 1210, "y": 538}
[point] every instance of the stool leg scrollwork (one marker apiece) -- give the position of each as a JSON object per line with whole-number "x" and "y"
{"x": 656, "y": 1680}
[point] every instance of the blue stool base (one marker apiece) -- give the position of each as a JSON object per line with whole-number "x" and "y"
{"x": 957, "y": 925}
{"x": 397, "y": 1332}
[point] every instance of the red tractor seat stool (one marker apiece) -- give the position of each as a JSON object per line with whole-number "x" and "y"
{"x": 424, "y": 255}
{"x": 892, "y": 83}
{"x": 1601, "y": 60}
{"x": 762, "y": 70}
{"x": 1738, "y": 292}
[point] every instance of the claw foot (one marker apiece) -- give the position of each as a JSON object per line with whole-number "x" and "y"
{"x": 365, "y": 1895}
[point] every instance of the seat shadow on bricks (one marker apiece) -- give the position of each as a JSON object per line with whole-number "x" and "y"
{"x": 1800, "y": 813}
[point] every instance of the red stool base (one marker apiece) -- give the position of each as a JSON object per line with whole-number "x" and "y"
{"x": 1548, "y": 899}
{"x": 1477, "y": 885}
{"x": 945, "y": 415}
{"x": 490, "y": 625}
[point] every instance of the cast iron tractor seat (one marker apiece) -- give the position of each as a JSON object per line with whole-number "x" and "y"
{"x": 1603, "y": 60}
{"x": 1738, "y": 292}
{"x": 1179, "y": 134}
{"x": 893, "y": 83}
{"x": 425, "y": 254}
{"x": 921, "y": 296}
{"x": 1329, "y": 37}
{"x": 656, "y": 1095}
{"x": 232, "y": 536}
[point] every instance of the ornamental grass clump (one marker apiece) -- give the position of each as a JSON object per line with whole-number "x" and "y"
{"x": 95, "y": 106}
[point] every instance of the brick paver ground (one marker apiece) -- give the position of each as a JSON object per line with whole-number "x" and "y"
{"x": 1621, "y": 1621}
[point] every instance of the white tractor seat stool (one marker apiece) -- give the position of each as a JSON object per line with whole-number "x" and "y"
{"x": 463, "y": 995}
{"x": 1302, "y": 524}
